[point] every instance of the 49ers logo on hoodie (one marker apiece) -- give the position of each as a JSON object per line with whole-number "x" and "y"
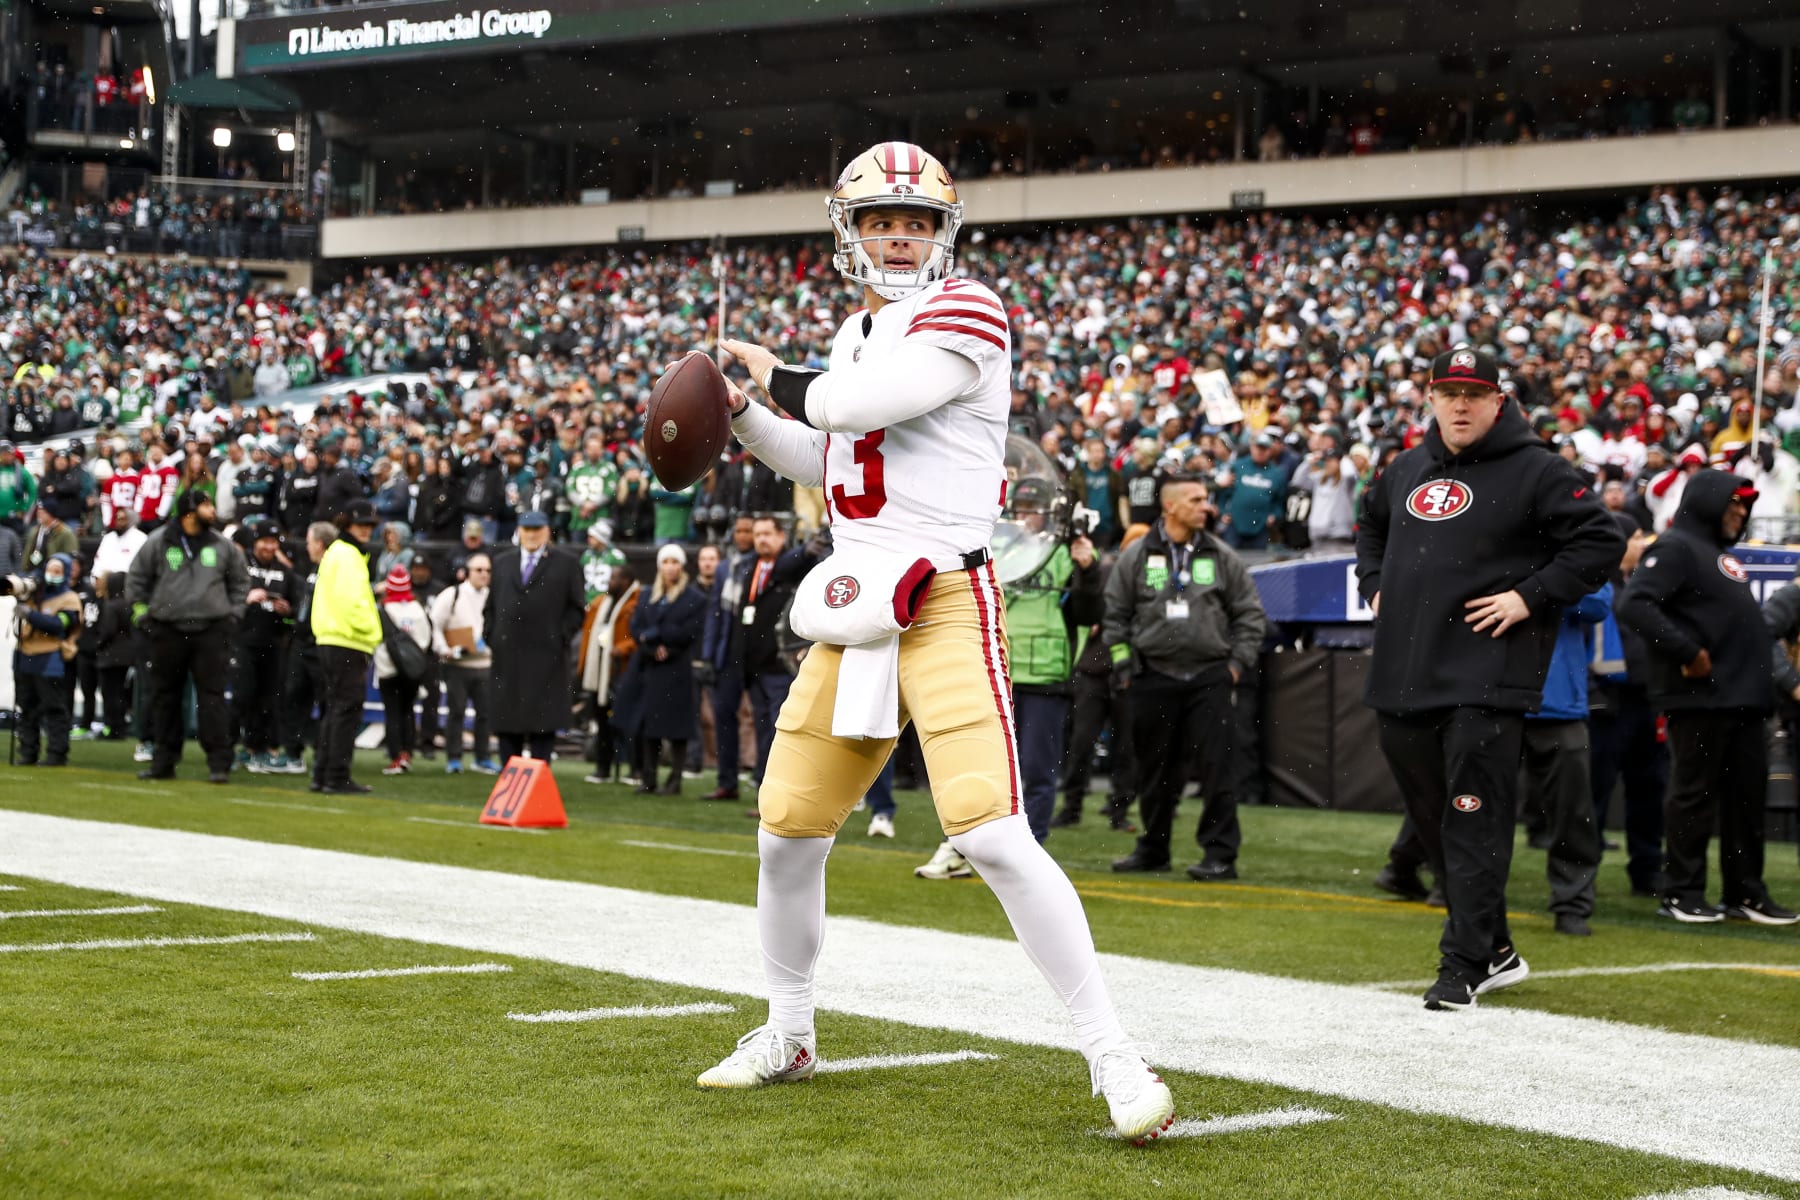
{"x": 1731, "y": 568}
{"x": 1439, "y": 500}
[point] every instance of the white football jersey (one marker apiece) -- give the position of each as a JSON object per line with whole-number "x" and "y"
{"x": 932, "y": 484}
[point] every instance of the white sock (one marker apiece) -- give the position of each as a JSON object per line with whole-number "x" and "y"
{"x": 1047, "y": 916}
{"x": 790, "y": 918}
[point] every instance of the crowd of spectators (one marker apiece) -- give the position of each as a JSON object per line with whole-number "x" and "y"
{"x": 274, "y": 224}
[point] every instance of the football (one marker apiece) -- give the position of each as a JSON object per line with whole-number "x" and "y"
{"x": 687, "y": 422}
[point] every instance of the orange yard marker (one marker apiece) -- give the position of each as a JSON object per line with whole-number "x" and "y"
{"x": 525, "y": 796}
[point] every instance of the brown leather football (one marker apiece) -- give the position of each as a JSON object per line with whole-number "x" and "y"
{"x": 688, "y": 421}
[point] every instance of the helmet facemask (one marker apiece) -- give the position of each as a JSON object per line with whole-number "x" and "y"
{"x": 859, "y": 258}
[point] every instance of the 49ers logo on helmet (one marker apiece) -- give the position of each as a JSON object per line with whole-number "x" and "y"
{"x": 1467, "y": 804}
{"x": 1439, "y": 500}
{"x": 841, "y": 591}
{"x": 1733, "y": 569}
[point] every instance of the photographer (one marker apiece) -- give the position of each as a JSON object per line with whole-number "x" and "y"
{"x": 48, "y": 616}
{"x": 187, "y": 587}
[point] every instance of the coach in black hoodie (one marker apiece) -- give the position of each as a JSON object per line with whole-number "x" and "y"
{"x": 1710, "y": 673}
{"x": 1469, "y": 547}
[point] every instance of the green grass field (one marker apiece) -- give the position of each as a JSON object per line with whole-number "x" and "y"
{"x": 209, "y": 1070}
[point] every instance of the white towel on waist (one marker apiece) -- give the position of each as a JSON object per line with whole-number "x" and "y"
{"x": 862, "y": 599}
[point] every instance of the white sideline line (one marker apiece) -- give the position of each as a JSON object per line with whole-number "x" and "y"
{"x": 883, "y": 1062}
{"x": 123, "y": 787}
{"x": 470, "y": 825}
{"x": 1606, "y": 1082}
{"x": 1709, "y": 1193}
{"x": 1274, "y": 1118}
{"x": 324, "y": 808}
{"x": 116, "y": 910}
{"x": 689, "y": 849}
{"x": 561, "y": 1016}
{"x": 396, "y": 972}
{"x": 152, "y": 943}
{"x": 9, "y": 887}
{"x": 1642, "y": 969}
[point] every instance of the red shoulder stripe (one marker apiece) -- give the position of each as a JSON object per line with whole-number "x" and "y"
{"x": 941, "y": 311}
{"x": 968, "y": 294}
{"x": 966, "y": 330}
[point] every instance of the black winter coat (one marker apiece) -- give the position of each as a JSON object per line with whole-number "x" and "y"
{"x": 1440, "y": 529}
{"x": 1690, "y": 593}
{"x": 661, "y": 694}
{"x": 338, "y": 486}
{"x": 437, "y": 516}
{"x": 531, "y": 629}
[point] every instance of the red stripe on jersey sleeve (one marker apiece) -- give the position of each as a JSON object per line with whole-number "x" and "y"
{"x": 947, "y": 312}
{"x": 967, "y": 331}
{"x": 966, "y": 295}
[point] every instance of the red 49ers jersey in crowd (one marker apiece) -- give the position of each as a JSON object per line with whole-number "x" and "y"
{"x": 120, "y": 493}
{"x": 932, "y": 484}
{"x": 156, "y": 491}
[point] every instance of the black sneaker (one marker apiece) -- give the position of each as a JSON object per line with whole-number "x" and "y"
{"x": 1405, "y": 884}
{"x": 1451, "y": 993}
{"x": 1436, "y": 898}
{"x": 1504, "y": 969}
{"x": 1689, "y": 912}
{"x": 1761, "y": 912}
{"x": 1571, "y": 925}
{"x": 1137, "y": 860}
{"x": 1211, "y": 872}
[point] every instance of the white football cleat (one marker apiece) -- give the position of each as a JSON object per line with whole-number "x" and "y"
{"x": 765, "y": 1055}
{"x": 947, "y": 863}
{"x": 1135, "y": 1094}
{"x": 881, "y": 825}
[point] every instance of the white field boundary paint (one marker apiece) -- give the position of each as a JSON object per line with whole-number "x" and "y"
{"x": 114, "y": 910}
{"x": 1709, "y": 1193}
{"x": 888, "y": 1062}
{"x": 689, "y": 849}
{"x": 155, "y": 943}
{"x": 566, "y": 1016}
{"x": 123, "y": 787}
{"x": 1604, "y": 1081}
{"x": 1274, "y": 1118}
{"x": 287, "y": 804}
{"x": 1589, "y": 972}
{"x": 10, "y": 887}
{"x": 398, "y": 972}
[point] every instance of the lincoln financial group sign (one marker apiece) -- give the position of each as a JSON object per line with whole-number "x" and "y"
{"x": 314, "y": 39}
{"x": 478, "y": 24}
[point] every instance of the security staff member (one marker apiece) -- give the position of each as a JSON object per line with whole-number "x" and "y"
{"x": 1183, "y": 623}
{"x": 1469, "y": 547}
{"x": 262, "y": 648}
{"x": 347, "y": 628}
{"x": 1710, "y": 673}
{"x": 187, "y": 586}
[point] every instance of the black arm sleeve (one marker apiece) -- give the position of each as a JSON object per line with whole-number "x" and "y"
{"x": 787, "y": 387}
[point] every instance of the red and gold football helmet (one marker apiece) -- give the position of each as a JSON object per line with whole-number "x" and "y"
{"x": 893, "y": 175}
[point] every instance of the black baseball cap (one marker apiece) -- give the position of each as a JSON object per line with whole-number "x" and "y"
{"x": 1465, "y": 364}
{"x": 359, "y": 512}
{"x": 534, "y": 520}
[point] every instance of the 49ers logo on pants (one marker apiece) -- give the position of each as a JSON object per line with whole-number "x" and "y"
{"x": 1467, "y": 804}
{"x": 1733, "y": 569}
{"x": 841, "y": 591}
{"x": 1439, "y": 500}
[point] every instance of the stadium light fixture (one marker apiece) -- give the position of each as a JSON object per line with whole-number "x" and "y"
{"x": 149, "y": 85}
{"x": 284, "y": 141}
{"x": 221, "y": 137}
{"x": 126, "y": 143}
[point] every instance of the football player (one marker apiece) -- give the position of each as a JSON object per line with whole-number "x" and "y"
{"x": 906, "y": 435}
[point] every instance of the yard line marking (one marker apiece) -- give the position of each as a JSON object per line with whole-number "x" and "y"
{"x": 123, "y": 787}
{"x": 1709, "y": 1193}
{"x": 484, "y": 968}
{"x": 561, "y": 1016}
{"x": 116, "y": 910}
{"x": 1606, "y": 1083}
{"x": 470, "y": 825}
{"x": 324, "y": 808}
{"x": 1274, "y": 1118}
{"x": 1641, "y": 969}
{"x": 9, "y": 887}
{"x": 155, "y": 942}
{"x": 883, "y": 1062}
{"x": 690, "y": 849}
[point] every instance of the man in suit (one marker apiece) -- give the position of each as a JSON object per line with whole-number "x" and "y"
{"x": 743, "y": 644}
{"x": 534, "y": 608}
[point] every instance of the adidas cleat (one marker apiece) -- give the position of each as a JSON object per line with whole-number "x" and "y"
{"x": 1136, "y": 1096}
{"x": 763, "y": 1056}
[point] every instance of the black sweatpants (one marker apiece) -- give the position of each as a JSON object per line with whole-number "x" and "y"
{"x": 1458, "y": 770}
{"x": 397, "y": 696}
{"x": 85, "y": 702}
{"x": 203, "y": 655}
{"x": 1556, "y": 771}
{"x": 1171, "y": 720}
{"x": 303, "y": 687}
{"x": 1096, "y": 705}
{"x": 541, "y": 745}
{"x": 115, "y": 697}
{"x": 43, "y": 702}
{"x": 343, "y": 673}
{"x": 1720, "y": 774}
{"x": 256, "y": 694}
{"x": 1625, "y": 745}
{"x": 467, "y": 687}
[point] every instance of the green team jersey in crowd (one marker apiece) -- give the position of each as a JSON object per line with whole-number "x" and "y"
{"x": 134, "y": 402}
{"x": 673, "y": 510}
{"x": 591, "y": 483}
{"x": 597, "y": 567}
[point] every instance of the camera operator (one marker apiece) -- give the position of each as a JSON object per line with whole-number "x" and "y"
{"x": 187, "y": 588}
{"x": 48, "y": 615}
